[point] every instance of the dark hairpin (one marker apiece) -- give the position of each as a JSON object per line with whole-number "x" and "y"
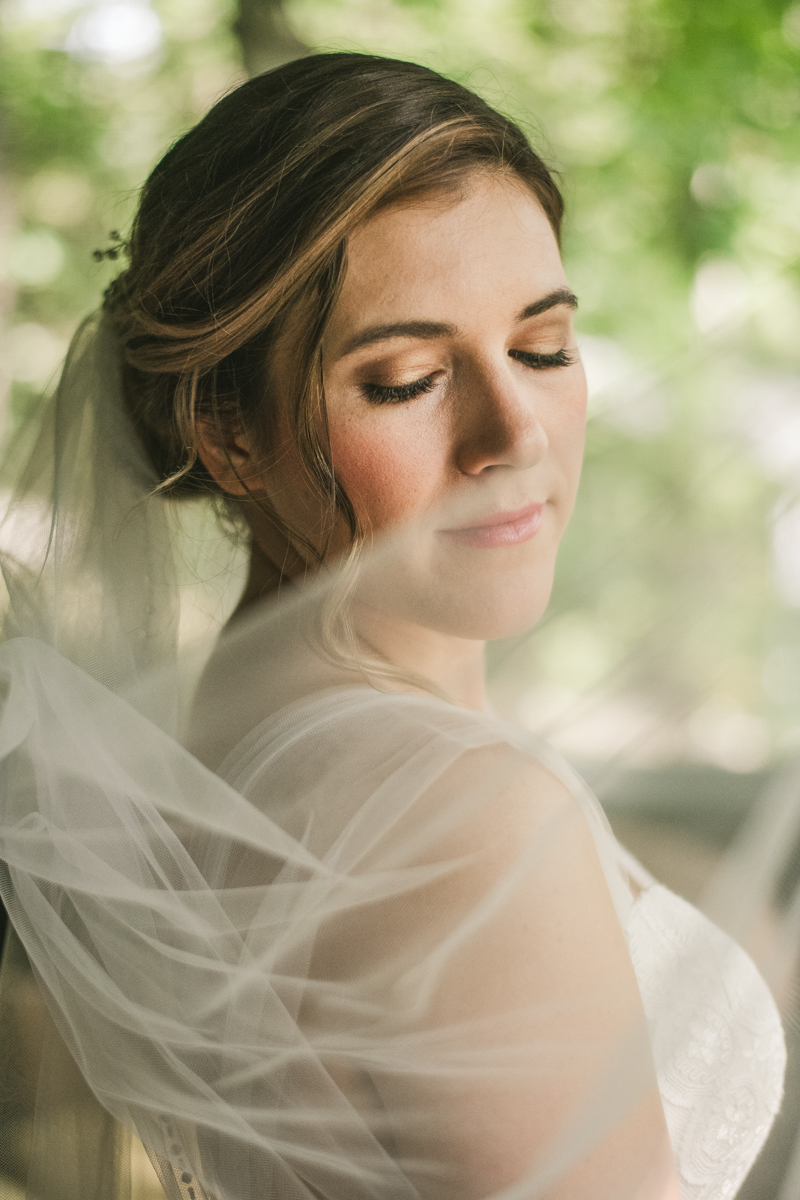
{"x": 113, "y": 251}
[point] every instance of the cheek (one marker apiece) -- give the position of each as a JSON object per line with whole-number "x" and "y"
{"x": 568, "y": 430}
{"x": 388, "y": 468}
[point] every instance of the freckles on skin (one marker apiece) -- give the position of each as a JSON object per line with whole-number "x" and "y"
{"x": 467, "y": 265}
{"x": 382, "y": 470}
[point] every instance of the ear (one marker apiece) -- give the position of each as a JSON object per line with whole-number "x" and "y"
{"x": 229, "y": 458}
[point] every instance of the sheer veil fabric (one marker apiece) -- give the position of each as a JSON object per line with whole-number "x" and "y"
{"x": 246, "y": 882}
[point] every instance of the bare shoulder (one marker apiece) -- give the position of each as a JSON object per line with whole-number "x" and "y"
{"x": 506, "y": 836}
{"x": 532, "y": 888}
{"x": 503, "y": 797}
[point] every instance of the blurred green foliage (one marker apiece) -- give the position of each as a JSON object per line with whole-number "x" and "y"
{"x": 675, "y": 624}
{"x": 79, "y": 135}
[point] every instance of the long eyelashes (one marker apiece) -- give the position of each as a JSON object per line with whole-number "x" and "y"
{"x": 540, "y": 362}
{"x": 398, "y": 394}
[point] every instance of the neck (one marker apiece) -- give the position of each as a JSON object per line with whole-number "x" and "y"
{"x": 263, "y": 577}
{"x": 457, "y": 666}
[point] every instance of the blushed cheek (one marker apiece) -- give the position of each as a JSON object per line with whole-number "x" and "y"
{"x": 387, "y": 476}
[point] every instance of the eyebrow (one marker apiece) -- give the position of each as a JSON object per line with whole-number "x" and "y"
{"x": 436, "y": 329}
{"x": 552, "y": 300}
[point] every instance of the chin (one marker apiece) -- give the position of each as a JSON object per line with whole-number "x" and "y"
{"x": 476, "y": 597}
{"x": 498, "y": 621}
{"x": 488, "y": 610}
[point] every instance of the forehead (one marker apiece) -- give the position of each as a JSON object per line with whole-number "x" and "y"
{"x": 492, "y": 236}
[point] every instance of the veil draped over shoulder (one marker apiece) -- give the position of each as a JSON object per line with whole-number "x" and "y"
{"x": 245, "y": 883}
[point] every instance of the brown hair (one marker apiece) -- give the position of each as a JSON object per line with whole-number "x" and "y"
{"x": 247, "y": 216}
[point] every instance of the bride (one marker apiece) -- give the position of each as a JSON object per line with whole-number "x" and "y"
{"x": 311, "y": 921}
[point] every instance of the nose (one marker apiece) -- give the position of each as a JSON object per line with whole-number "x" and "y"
{"x": 498, "y": 420}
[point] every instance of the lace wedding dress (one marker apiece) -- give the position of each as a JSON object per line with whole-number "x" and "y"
{"x": 717, "y": 1042}
{"x": 145, "y": 975}
{"x": 716, "y": 1033}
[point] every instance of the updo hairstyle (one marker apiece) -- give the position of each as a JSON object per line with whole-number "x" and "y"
{"x": 243, "y": 224}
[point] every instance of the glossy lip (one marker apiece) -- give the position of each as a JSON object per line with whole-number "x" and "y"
{"x": 501, "y": 529}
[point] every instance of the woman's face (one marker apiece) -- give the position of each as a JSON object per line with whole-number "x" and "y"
{"x": 455, "y": 403}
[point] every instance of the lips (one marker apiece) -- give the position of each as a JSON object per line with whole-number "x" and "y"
{"x": 500, "y": 529}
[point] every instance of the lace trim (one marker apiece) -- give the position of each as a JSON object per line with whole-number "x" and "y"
{"x": 717, "y": 1042}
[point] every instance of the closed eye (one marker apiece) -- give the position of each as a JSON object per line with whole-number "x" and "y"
{"x": 401, "y": 392}
{"x": 541, "y": 362}
{"x": 397, "y": 394}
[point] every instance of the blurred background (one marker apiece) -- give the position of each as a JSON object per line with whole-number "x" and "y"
{"x": 668, "y": 665}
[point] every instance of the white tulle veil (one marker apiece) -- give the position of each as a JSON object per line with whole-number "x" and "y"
{"x": 172, "y": 852}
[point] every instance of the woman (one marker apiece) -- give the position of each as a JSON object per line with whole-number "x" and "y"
{"x": 360, "y": 939}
